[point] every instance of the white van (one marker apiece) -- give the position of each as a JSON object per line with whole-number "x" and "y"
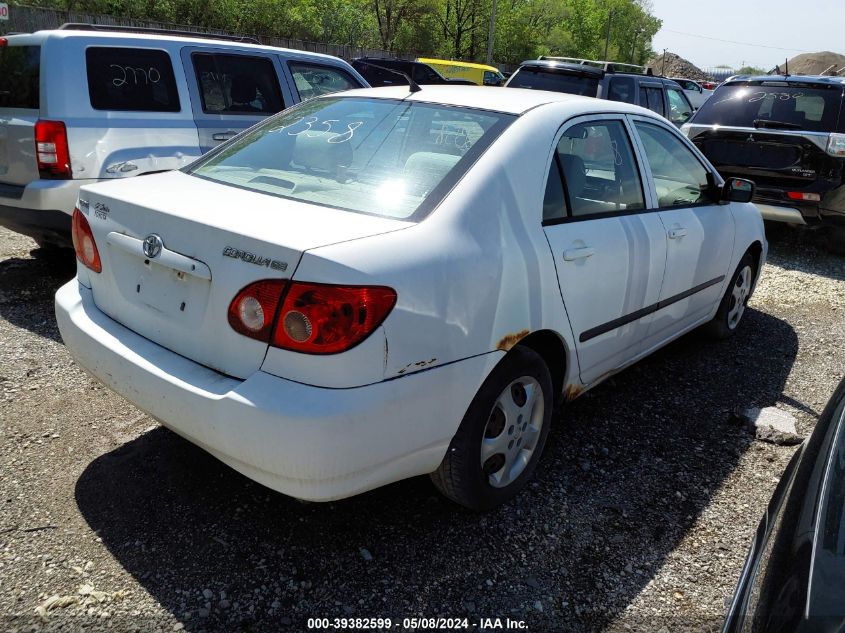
{"x": 84, "y": 103}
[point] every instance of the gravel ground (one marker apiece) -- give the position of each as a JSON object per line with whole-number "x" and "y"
{"x": 639, "y": 517}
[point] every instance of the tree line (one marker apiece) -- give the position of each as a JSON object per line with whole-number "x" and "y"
{"x": 454, "y": 29}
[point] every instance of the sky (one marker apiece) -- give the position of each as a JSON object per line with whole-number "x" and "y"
{"x": 788, "y": 27}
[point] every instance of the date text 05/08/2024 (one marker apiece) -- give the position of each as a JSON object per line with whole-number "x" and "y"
{"x": 416, "y": 623}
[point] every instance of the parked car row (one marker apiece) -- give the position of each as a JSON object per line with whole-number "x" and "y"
{"x": 625, "y": 83}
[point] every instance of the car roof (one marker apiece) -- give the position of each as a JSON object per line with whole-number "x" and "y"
{"x": 551, "y": 64}
{"x": 798, "y": 79}
{"x": 41, "y": 36}
{"x": 492, "y": 98}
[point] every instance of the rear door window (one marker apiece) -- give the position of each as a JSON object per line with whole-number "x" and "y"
{"x": 599, "y": 170}
{"x": 313, "y": 80}
{"x": 652, "y": 98}
{"x": 20, "y": 75}
{"x": 237, "y": 84}
{"x": 131, "y": 79}
{"x": 622, "y": 89}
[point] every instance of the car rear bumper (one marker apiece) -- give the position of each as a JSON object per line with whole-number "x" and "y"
{"x": 41, "y": 209}
{"x": 308, "y": 442}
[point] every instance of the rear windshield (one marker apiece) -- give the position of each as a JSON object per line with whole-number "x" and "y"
{"x": 19, "y": 76}
{"x": 539, "y": 79}
{"x": 377, "y": 156}
{"x": 773, "y": 106}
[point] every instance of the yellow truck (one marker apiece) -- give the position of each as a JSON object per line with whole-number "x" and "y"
{"x": 480, "y": 74}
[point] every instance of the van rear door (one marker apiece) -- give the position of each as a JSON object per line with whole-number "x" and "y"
{"x": 20, "y": 76}
{"x": 232, "y": 90}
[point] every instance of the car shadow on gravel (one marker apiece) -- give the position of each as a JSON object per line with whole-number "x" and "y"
{"x": 628, "y": 469}
{"x": 27, "y": 288}
{"x": 804, "y": 250}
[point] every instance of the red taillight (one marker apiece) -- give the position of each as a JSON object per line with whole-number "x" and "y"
{"x": 51, "y": 149}
{"x": 3, "y": 42}
{"x": 326, "y": 319}
{"x": 83, "y": 242}
{"x": 800, "y": 195}
{"x": 313, "y": 318}
{"x": 253, "y": 310}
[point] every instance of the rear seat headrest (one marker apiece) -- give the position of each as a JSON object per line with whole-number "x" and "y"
{"x": 313, "y": 151}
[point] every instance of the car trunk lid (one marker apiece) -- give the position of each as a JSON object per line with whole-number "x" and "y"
{"x": 214, "y": 240}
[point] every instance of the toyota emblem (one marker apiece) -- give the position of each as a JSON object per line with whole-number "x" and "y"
{"x": 152, "y": 245}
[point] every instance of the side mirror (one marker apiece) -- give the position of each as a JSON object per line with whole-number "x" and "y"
{"x": 738, "y": 190}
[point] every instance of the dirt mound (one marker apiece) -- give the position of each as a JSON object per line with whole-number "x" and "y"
{"x": 815, "y": 63}
{"x": 677, "y": 66}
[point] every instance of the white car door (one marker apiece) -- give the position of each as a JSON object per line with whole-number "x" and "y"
{"x": 699, "y": 231}
{"x": 609, "y": 250}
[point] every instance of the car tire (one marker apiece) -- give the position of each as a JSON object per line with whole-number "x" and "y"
{"x": 733, "y": 304}
{"x": 501, "y": 438}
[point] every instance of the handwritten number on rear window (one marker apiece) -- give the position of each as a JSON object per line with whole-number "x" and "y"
{"x": 135, "y": 76}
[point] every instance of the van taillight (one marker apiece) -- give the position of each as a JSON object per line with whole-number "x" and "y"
{"x": 313, "y": 318}
{"x": 83, "y": 242}
{"x": 51, "y": 149}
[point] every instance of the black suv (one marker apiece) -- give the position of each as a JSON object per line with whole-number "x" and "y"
{"x": 605, "y": 80}
{"x": 376, "y": 70}
{"x": 787, "y": 134}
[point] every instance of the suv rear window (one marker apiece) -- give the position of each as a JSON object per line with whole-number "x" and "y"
{"x": 792, "y": 107}
{"x": 541, "y": 79}
{"x": 20, "y": 73}
{"x": 131, "y": 79}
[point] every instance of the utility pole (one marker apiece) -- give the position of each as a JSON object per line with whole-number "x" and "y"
{"x": 607, "y": 36}
{"x": 490, "y": 34}
{"x": 663, "y": 70}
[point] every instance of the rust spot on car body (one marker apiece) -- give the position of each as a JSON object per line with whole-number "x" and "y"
{"x": 507, "y": 342}
{"x": 418, "y": 365}
{"x": 572, "y": 391}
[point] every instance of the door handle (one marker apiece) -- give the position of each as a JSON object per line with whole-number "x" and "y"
{"x": 572, "y": 254}
{"x": 223, "y": 136}
{"x": 676, "y": 233}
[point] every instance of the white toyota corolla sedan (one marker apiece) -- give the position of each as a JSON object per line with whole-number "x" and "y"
{"x": 384, "y": 283}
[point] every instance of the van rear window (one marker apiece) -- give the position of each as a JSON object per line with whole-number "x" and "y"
{"x": 131, "y": 79}
{"x": 20, "y": 73}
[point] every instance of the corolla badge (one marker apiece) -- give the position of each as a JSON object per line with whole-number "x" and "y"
{"x": 153, "y": 245}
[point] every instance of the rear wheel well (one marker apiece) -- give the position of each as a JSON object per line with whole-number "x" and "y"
{"x": 553, "y": 352}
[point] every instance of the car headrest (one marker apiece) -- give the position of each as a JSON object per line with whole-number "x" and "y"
{"x": 425, "y": 170}
{"x": 574, "y": 173}
{"x": 313, "y": 151}
{"x": 243, "y": 89}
